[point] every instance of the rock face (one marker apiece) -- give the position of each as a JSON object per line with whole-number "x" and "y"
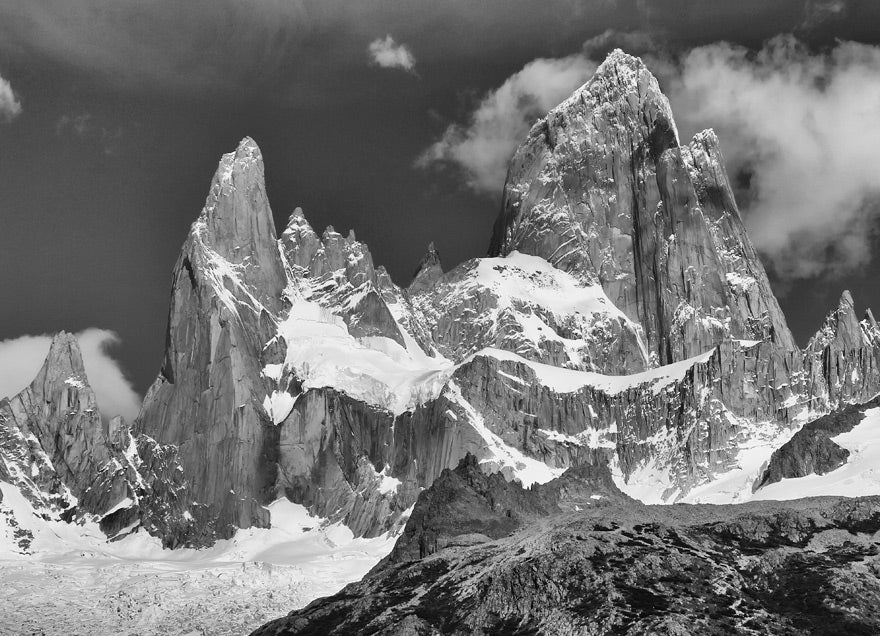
{"x": 226, "y": 294}
{"x": 481, "y": 556}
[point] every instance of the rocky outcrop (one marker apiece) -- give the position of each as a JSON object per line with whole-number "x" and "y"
{"x": 226, "y": 295}
{"x": 479, "y": 556}
{"x": 466, "y": 506}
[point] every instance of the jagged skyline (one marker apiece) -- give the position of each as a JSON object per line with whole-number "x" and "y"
{"x": 103, "y": 170}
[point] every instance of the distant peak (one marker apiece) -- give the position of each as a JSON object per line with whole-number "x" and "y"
{"x": 64, "y": 358}
{"x": 298, "y": 223}
{"x": 65, "y": 345}
{"x": 846, "y": 300}
{"x": 428, "y": 271}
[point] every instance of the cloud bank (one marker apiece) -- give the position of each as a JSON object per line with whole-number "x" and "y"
{"x": 482, "y": 147}
{"x": 387, "y": 53}
{"x": 21, "y": 359}
{"x": 10, "y": 106}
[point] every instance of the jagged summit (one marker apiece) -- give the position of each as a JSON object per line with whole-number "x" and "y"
{"x": 624, "y": 93}
{"x": 429, "y": 271}
{"x": 64, "y": 359}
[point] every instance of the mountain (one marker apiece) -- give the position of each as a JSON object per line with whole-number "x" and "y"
{"x": 622, "y": 321}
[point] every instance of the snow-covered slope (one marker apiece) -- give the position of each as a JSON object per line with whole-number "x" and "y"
{"x": 525, "y": 305}
{"x": 133, "y": 586}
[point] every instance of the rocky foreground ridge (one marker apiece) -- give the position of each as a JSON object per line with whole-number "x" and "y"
{"x": 622, "y": 321}
{"x": 576, "y": 556}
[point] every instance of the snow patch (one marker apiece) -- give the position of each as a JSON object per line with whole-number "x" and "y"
{"x": 569, "y": 380}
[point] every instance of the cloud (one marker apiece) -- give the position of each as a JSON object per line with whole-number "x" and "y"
{"x": 802, "y": 131}
{"x": 483, "y": 147}
{"x": 10, "y": 106}
{"x": 84, "y": 126}
{"x": 387, "y": 53}
{"x": 820, "y": 12}
{"x": 21, "y": 359}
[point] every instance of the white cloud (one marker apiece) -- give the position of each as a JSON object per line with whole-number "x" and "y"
{"x": 387, "y": 53}
{"x": 806, "y": 128}
{"x": 10, "y": 106}
{"x": 21, "y": 359}
{"x": 483, "y": 147}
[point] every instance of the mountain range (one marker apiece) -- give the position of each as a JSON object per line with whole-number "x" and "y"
{"x": 620, "y": 345}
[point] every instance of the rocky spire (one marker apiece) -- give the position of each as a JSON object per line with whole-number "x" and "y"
{"x": 841, "y": 329}
{"x": 226, "y": 295}
{"x": 299, "y": 241}
{"x": 237, "y": 225}
{"x": 52, "y": 431}
{"x": 429, "y": 271}
{"x": 842, "y": 360}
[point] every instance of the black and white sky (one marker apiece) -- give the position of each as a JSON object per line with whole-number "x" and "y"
{"x": 395, "y": 118}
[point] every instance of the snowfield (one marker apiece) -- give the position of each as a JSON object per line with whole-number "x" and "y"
{"x": 75, "y": 583}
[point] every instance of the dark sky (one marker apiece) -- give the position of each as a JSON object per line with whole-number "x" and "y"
{"x": 127, "y": 107}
